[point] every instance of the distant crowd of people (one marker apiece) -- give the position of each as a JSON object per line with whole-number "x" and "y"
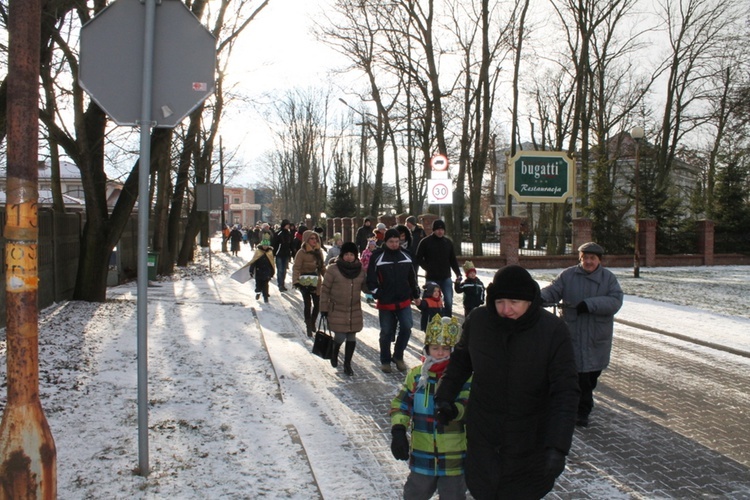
{"x": 493, "y": 406}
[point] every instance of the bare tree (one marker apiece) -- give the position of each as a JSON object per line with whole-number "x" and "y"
{"x": 83, "y": 140}
{"x": 697, "y": 32}
{"x": 297, "y": 163}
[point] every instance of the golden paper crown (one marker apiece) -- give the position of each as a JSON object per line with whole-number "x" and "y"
{"x": 442, "y": 331}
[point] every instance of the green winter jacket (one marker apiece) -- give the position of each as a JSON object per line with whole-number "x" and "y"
{"x": 436, "y": 450}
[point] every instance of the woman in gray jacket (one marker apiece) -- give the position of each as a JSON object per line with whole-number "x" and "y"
{"x": 591, "y": 296}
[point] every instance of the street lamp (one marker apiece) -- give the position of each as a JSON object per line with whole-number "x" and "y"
{"x": 637, "y": 134}
{"x": 362, "y": 153}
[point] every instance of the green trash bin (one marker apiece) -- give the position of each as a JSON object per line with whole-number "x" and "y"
{"x": 153, "y": 260}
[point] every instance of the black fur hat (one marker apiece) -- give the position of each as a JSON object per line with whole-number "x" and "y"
{"x": 512, "y": 282}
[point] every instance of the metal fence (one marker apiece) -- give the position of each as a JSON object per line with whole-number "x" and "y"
{"x": 530, "y": 245}
{"x": 674, "y": 242}
{"x": 734, "y": 242}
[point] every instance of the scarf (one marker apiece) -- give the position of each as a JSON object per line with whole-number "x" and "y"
{"x": 430, "y": 364}
{"x": 317, "y": 254}
{"x": 349, "y": 270}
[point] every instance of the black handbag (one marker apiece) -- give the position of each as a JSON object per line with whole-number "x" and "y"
{"x": 323, "y": 342}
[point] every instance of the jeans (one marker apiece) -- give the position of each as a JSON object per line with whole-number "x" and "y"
{"x": 446, "y": 286}
{"x": 388, "y": 321}
{"x": 281, "y": 265}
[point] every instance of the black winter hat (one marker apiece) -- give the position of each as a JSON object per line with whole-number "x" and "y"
{"x": 512, "y": 282}
{"x": 411, "y": 220}
{"x": 438, "y": 224}
{"x": 391, "y": 233}
{"x": 349, "y": 247}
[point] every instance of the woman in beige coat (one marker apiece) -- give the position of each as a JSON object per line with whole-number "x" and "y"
{"x": 340, "y": 302}
{"x": 307, "y": 276}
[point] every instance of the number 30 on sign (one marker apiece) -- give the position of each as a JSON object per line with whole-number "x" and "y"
{"x": 439, "y": 192}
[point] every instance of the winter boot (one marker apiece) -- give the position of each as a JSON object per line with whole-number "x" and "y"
{"x": 335, "y": 354}
{"x": 310, "y": 327}
{"x": 348, "y": 355}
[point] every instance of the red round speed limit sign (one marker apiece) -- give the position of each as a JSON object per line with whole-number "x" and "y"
{"x": 440, "y": 191}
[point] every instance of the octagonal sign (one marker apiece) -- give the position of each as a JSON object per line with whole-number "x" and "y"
{"x": 111, "y": 62}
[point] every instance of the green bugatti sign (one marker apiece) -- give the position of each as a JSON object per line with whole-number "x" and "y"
{"x": 541, "y": 176}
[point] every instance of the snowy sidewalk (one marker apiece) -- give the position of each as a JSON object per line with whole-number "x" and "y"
{"x": 712, "y": 330}
{"x": 238, "y": 406}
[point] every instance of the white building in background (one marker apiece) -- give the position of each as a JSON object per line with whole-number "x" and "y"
{"x": 71, "y": 187}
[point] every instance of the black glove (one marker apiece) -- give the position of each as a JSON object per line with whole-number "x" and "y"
{"x": 297, "y": 286}
{"x": 445, "y": 411}
{"x": 582, "y": 308}
{"x": 399, "y": 443}
{"x": 554, "y": 462}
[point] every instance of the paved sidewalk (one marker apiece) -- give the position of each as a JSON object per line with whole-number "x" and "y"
{"x": 670, "y": 420}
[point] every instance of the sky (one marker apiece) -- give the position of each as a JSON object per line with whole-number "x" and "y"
{"x": 278, "y": 52}
{"x": 239, "y": 408}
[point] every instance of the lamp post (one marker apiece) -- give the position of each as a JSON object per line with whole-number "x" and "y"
{"x": 637, "y": 134}
{"x": 362, "y": 155}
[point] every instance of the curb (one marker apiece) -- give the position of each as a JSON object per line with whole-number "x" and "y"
{"x": 692, "y": 340}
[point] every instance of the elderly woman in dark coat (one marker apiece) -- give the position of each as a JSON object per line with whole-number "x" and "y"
{"x": 522, "y": 409}
{"x": 340, "y": 302}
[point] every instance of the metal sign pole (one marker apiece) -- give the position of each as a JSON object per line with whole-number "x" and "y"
{"x": 143, "y": 212}
{"x": 208, "y": 223}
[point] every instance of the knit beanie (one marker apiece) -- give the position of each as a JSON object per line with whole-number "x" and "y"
{"x": 438, "y": 224}
{"x": 468, "y": 267}
{"x": 512, "y": 282}
{"x": 391, "y": 233}
{"x": 349, "y": 247}
{"x": 429, "y": 289}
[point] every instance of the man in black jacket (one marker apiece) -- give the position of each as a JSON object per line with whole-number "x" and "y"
{"x": 282, "y": 249}
{"x": 437, "y": 257}
{"x": 393, "y": 283}
{"x": 363, "y": 234}
{"x": 524, "y": 393}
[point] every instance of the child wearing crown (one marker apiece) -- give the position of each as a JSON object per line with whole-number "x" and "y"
{"x": 437, "y": 452}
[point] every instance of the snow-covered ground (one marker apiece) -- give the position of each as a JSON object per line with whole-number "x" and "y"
{"x": 238, "y": 403}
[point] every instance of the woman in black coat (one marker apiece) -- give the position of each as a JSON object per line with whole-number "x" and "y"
{"x": 524, "y": 395}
